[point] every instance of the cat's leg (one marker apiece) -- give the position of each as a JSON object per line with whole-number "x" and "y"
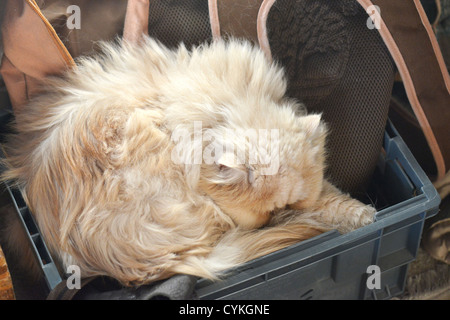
{"x": 338, "y": 209}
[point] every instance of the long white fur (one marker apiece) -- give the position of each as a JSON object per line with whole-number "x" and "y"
{"x": 92, "y": 158}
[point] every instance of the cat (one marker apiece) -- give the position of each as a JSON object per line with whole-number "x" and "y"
{"x": 101, "y": 160}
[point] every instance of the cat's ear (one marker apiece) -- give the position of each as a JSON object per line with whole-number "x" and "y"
{"x": 231, "y": 171}
{"x": 313, "y": 126}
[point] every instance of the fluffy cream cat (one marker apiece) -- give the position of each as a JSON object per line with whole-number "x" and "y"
{"x": 108, "y": 161}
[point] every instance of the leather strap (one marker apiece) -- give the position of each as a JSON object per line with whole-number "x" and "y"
{"x": 261, "y": 25}
{"x": 419, "y": 60}
{"x": 214, "y": 19}
{"x": 136, "y": 20}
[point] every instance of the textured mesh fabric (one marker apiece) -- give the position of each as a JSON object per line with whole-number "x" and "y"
{"x": 335, "y": 65}
{"x": 338, "y": 66}
{"x": 173, "y": 21}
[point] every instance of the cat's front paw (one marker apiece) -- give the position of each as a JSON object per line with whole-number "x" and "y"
{"x": 364, "y": 215}
{"x": 357, "y": 217}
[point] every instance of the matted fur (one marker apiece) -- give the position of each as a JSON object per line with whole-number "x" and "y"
{"x": 93, "y": 159}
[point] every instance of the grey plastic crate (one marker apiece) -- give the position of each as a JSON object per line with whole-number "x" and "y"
{"x": 45, "y": 261}
{"x": 335, "y": 266}
{"x": 330, "y": 266}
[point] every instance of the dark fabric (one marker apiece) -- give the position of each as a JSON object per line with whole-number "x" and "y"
{"x": 172, "y": 22}
{"x": 179, "y": 287}
{"x": 62, "y": 292}
{"x": 443, "y": 30}
{"x": 238, "y": 18}
{"x": 341, "y": 68}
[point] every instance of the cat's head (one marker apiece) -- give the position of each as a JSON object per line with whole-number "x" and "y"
{"x": 264, "y": 169}
{"x": 242, "y": 142}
